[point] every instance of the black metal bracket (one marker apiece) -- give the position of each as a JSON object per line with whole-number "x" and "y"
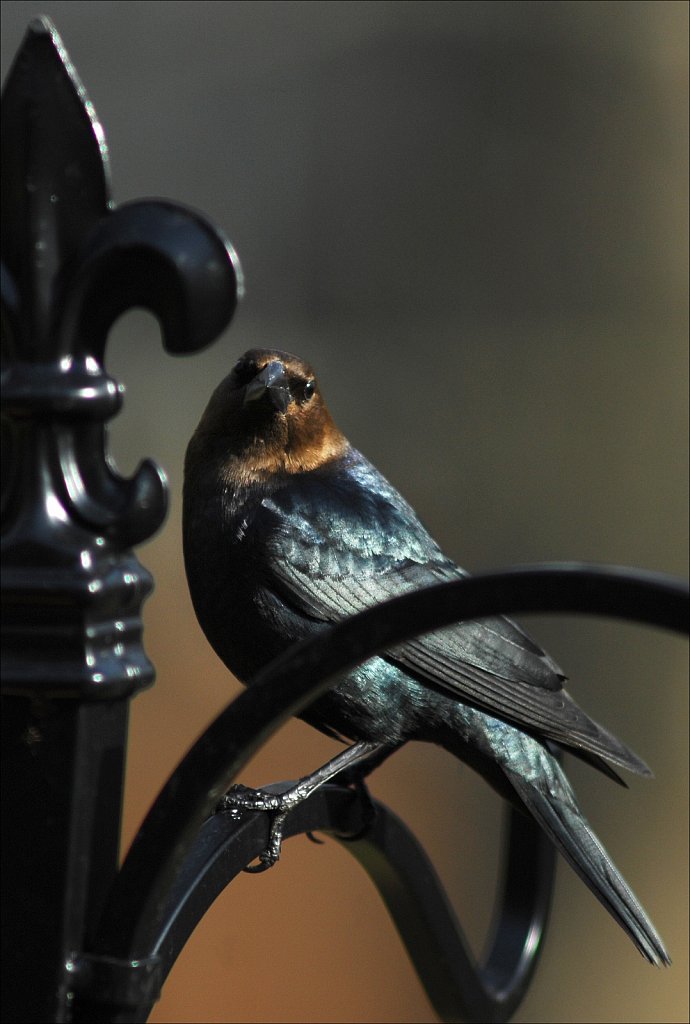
{"x": 84, "y": 941}
{"x": 113, "y": 982}
{"x": 407, "y": 883}
{"x": 171, "y": 850}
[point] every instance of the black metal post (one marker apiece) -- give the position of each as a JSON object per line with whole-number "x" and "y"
{"x": 71, "y": 588}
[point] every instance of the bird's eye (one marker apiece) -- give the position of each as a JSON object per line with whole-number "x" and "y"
{"x": 243, "y": 371}
{"x": 309, "y": 389}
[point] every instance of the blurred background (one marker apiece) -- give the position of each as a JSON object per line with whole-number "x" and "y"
{"x": 471, "y": 218}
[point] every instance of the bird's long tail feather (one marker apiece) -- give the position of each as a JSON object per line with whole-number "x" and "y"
{"x": 571, "y": 834}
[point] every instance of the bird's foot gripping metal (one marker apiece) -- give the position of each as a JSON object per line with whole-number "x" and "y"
{"x": 279, "y": 805}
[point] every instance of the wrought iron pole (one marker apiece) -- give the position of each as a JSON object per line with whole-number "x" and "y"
{"x": 72, "y": 589}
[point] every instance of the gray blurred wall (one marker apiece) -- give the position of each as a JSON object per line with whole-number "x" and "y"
{"x": 472, "y": 218}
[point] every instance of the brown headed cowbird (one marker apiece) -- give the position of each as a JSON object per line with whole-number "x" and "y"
{"x": 288, "y": 528}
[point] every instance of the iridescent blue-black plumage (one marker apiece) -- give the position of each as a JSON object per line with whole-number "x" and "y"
{"x": 287, "y": 529}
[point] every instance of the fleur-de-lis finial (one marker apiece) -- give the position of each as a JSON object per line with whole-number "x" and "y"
{"x": 72, "y": 262}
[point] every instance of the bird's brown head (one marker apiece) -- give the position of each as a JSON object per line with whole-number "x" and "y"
{"x": 266, "y": 417}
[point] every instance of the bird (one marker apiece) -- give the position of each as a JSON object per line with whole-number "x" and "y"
{"x": 288, "y": 529}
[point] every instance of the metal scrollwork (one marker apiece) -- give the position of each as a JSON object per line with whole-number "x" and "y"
{"x": 72, "y": 263}
{"x": 72, "y": 589}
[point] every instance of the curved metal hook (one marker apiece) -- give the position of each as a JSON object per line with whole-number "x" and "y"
{"x": 457, "y": 987}
{"x": 137, "y": 905}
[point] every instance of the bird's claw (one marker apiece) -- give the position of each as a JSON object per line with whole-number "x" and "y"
{"x": 244, "y": 798}
{"x": 247, "y": 799}
{"x": 271, "y": 855}
{"x": 368, "y": 816}
{"x": 369, "y": 812}
{"x": 279, "y": 804}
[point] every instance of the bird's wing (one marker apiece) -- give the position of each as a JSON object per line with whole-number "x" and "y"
{"x": 333, "y": 558}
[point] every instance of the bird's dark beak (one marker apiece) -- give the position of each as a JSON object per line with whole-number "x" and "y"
{"x": 272, "y": 383}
